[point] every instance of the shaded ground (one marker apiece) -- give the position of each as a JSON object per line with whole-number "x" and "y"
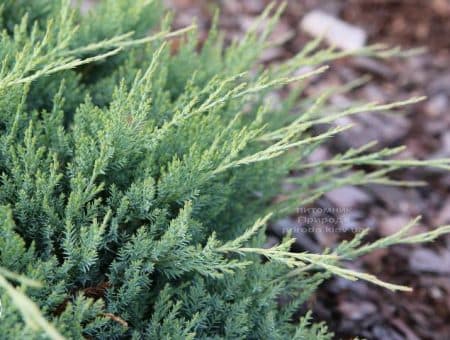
{"x": 360, "y": 309}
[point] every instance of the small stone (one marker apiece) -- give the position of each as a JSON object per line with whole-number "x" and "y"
{"x": 254, "y": 6}
{"x": 357, "y": 311}
{"x": 441, "y": 7}
{"x": 392, "y": 224}
{"x": 348, "y": 197}
{"x": 232, "y": 6}
{"x": 374, "y": 93}
{"x": 386, "y": 129}
{"x": 271, "y": 54}
{"x": 436, "y": 293}
{"x": 336, "y": 32}
{"x": 426, "y": 260}
{"x": 437, "y": 105}
{"x": 319, "y": 155}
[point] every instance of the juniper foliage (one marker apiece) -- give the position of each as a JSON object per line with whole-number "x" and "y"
{"x": 136, "y": 181}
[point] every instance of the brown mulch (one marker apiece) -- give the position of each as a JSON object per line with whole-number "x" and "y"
{"x": 357, "y": 308}
{"x": 405, "y": 22}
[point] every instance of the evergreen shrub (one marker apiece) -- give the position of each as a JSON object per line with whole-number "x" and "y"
{"x": 137, "y": 178}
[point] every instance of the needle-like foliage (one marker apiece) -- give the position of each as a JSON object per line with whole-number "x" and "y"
{"x": 136, "y": 174}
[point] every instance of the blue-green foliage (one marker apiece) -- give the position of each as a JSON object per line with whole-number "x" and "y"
{"x": 115, "y": 174}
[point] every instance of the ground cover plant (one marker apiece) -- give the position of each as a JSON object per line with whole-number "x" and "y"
{"x": 137, "y": 177}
